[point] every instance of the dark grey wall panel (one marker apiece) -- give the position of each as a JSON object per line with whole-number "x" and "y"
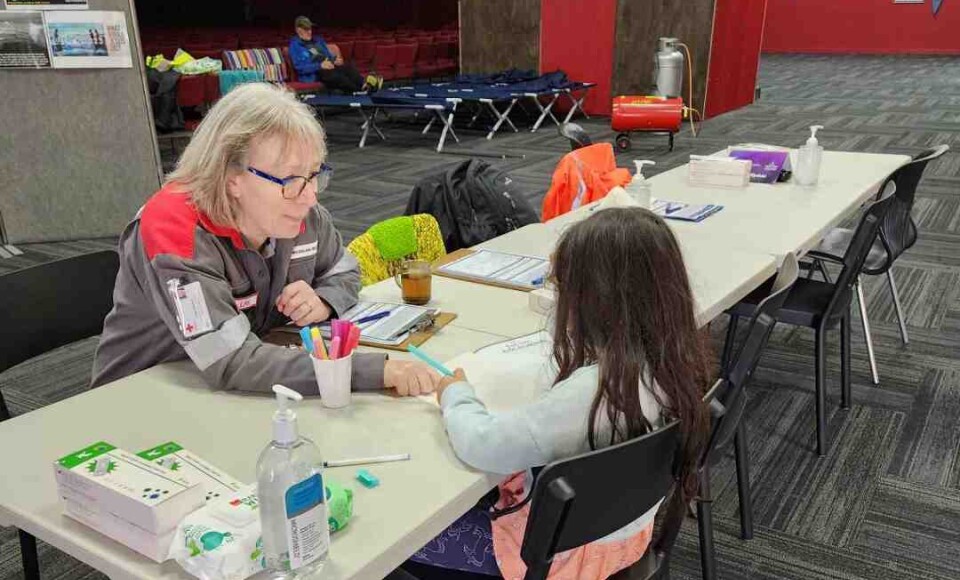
{"x": 641, "y": 22}
{"x": 499, "y": 34}
{"x": 78, "y": 153}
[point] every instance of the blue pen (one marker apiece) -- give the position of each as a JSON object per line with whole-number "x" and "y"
{"x": 373, "y": 317}
{"x": 305, "y": 337}
{"x": 426, "y": 358}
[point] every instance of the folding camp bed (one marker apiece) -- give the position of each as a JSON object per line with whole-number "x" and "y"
{"x": 577, "y": 103}
{"x": 500, "y": 99}
{"x": 369, "y": 108}
{"x": 488, "y": 97}
{"x": 569, "y": 90}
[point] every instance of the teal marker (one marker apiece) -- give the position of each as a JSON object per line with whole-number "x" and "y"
{"x": 307, "y": 341}
{"x": 427, "y": 359}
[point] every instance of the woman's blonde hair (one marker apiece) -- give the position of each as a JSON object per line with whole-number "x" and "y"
{"x": 221, "y": 144}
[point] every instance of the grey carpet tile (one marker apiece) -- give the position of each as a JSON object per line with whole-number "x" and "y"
{"x": 918, "y": 523}
{"x": 926, "y": 295}
{"x": 927, "y": 451}
{"x": 884, "y": 502}
{"x": 44, "y": 252}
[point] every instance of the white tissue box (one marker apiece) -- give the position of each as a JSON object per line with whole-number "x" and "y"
{"x": 152, "y": 546}
{"x": 719, "y": 171}
{"x": 214, "y": 481}
{"x": 542, "y": 300}
{"x": 105, "y": 479}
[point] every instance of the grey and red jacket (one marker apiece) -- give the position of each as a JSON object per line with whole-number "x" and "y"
{"x": 171, "y": 245}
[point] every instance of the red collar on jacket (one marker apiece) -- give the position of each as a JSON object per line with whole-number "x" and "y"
{"x": 168, "y": 224}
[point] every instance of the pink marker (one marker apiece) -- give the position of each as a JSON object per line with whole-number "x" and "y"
{"x": 335, "y": 348}
{"x": 354, "y": 339}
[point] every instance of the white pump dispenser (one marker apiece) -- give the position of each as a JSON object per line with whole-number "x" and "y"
{"x": 284, "y": 419}
{"x": 808, "y": 159}
{"x": 639, "y": 188}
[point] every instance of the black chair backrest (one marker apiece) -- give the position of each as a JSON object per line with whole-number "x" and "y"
{"x": 584, "y": 498}
{"x": 726, "y": 399}
{"x": 54, "y": 304}
{"x": 898, "y": 232}
{"x": 863, "y": 237}
{"x": 577, "y": 136}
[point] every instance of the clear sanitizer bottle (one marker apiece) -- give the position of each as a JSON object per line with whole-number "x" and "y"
{"x": 808, "y": 159}
{"x": 293, "y": 509}
{"x": 639, "y": 188}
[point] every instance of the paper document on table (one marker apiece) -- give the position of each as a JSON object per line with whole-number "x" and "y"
{"x": 390, "y": 330}
{"x": 500, "y": 267}
{"x": 684, "y": 211}
{"x": 505, "y": 380}
{"x": 538, "y": 343}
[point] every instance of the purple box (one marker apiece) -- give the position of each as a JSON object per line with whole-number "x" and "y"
{"x": 767, "y": 165}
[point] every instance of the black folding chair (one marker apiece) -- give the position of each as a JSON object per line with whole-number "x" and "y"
{"x": 577, "y": 136}
{"x": 727, "y": 400}
{"x": 898, "y": 233}
{"x": 822, "y": 306}
{"x": 45, "y": 307}
{"x": 578, "y": 500}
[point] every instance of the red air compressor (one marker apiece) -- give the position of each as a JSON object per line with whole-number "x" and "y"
{"x": 645, "y": 113}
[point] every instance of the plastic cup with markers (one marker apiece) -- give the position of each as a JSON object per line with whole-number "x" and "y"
{"x": 333, "y": 365}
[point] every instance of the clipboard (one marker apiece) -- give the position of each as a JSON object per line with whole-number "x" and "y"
{"x": 291, "y": 339}
{"x": 463, "y": 253}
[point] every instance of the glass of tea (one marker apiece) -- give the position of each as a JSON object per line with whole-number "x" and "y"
{"x": 414, "y": 279}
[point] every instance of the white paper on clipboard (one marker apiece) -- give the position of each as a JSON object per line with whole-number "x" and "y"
{"x": 390, "y": 330}
{"x": 500, "y": 267}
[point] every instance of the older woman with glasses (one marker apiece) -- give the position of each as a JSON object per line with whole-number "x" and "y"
{"x": 234, "y": 245}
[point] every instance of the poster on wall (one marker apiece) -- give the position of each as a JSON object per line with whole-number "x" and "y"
{"x": 90, "y": 39}
{"x": 22, "y": 41}
{"x": 46, "y": 4}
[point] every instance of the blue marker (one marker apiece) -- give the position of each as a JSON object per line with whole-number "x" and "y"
{"x": 427, "y": 359}
{"x": 305, "y": 337}
{"x": 373, "y": 317}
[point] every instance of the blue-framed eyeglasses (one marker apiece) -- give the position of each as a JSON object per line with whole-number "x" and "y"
{"x": 291, "y": 187}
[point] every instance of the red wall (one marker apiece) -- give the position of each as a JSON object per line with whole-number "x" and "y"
{"x": 578, "y": 38}
{"x": 862, "y": 26}
{"x": 734, "y": 54}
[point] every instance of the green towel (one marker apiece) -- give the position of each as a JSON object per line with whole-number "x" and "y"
{"x": 395, "y": 238}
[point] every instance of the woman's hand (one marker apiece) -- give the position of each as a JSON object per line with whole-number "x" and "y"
{"x": 300, "y": 303}
{"x": 409, "y": 378}
{"x": 458, "y": 376}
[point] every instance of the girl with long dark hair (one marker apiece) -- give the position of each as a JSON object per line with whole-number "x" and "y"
{"x": 629, "y": 358}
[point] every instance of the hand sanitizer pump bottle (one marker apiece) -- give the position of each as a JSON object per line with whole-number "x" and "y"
{"x": 293, "y": 509}
{"x": 808, "y": 159}
{"x": 639, "y": 188}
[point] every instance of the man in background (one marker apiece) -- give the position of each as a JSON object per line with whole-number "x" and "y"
{"x": 315, "y": 60}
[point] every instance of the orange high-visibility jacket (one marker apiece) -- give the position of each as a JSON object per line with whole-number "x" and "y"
{"x": 583, "y": 176}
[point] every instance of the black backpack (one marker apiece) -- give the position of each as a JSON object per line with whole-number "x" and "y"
{"x": 473, "y": 202}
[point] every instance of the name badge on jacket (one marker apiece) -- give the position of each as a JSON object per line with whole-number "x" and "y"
{"x": 304, "y": 250}
{"x": 246, "y": 302}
